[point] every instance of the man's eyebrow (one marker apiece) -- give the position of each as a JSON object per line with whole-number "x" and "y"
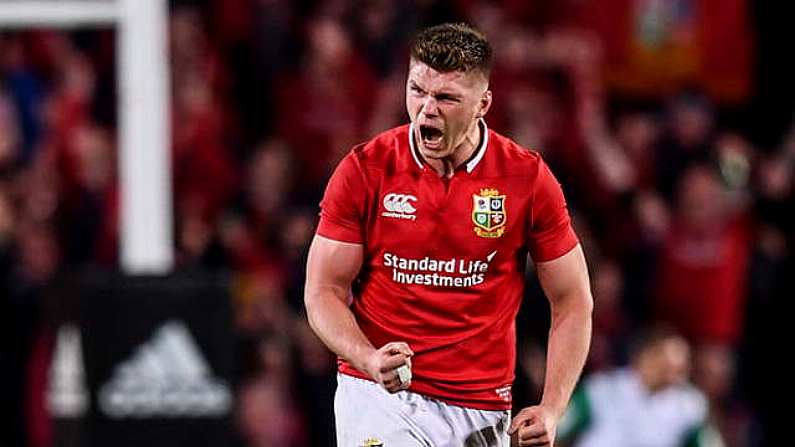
{"x": 444, "y": 94}
{"x": 447, "y": 95}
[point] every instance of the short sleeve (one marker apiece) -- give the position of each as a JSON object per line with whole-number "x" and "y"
{"x": 551, "y": 234}
{"x": 343, "y": 204}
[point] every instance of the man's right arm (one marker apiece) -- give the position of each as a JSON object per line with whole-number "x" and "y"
{"x": 331, "y": 268}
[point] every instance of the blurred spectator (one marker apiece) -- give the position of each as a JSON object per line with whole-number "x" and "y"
{"x": 270, "y": 184}
{"x": 323, "y": 106}
{"x": 274, "y": 41}
{"x": 735, "y": 158}
{"x": 88, "y": 217}
{"x": 299, "y": 229}
{"x": 687, "y": 139}
{"x": 650, "y": 403}
{"x": 37, "y": 259}
{"x": 250, "y": 231}
{"x": 389, "y": 109}
{"x": 268, "y": 414}
{"x": 714, "y": 373}
{"x": 610, "y": 323}
{"x": 624, "y": 164}
{"x": 317, "y": 374}
{"x": 198, "y": 241}
{"x": 771, "y": 288}
{"x": 260, "y": 304}
{"x": 25, "y": 91}
{"x": 702, "y": 277}
{"x": 9, "y": 137}
{"x": 382, "y": 29}
{"x": 204, "y": 169}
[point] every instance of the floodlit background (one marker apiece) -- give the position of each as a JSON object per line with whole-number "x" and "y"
{"x": 669, "y": 124}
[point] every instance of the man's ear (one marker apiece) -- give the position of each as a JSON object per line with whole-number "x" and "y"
{"x": 485, "y": 104}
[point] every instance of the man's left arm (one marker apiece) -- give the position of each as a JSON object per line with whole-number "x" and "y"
{"x": 567, "y": 287}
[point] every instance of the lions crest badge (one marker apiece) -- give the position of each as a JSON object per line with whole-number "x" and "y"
{"x": 488, "y": 213}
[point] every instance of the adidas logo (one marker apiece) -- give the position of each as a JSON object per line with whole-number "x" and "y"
{"x": 165, "y": 377}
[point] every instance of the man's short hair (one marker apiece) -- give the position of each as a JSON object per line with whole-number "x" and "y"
{"x": 653, "y": 337}
{"x": 453, "y": 47}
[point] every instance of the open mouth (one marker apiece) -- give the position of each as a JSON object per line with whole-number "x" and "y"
{"x": 431, "y": 136}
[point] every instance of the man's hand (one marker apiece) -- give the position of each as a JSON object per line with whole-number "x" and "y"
{"x": 533, "y": 426}
{"x": 382, "y": 365}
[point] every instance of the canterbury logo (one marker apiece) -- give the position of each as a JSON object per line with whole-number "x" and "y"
{"x": 399, "y": 206}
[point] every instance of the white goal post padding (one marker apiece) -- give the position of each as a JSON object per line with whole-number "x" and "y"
{"x": 143, "y": 110}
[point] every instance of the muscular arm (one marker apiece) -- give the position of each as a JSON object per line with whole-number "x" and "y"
{"x": 331, "y": 268}
{"x": 567, "y": 287}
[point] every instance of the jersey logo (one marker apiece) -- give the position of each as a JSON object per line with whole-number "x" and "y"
{"x": 372, "y": 442}
{"x": 488, "y": 213}
{"x": 399, "y": 206}
{"x": 504, "y": 392}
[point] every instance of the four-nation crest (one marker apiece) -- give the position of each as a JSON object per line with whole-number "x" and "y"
{"x": 488, "y": 213}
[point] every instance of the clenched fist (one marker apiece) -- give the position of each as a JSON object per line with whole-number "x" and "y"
{"x": 382, "y": 365}
{"x": 533, "y": 426}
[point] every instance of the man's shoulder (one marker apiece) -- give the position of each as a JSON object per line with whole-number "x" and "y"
{"x": 510, "y": 157}
{"x": 386, "y": 151}
{"x": 510, "y": 148}
{"x": 383, "y": 146}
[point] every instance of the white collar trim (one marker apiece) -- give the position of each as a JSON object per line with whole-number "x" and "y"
{"x": 484, "y": 143}
{"x": 413, "y": 147}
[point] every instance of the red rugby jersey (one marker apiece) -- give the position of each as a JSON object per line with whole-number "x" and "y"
{"x": 445, "y": 258}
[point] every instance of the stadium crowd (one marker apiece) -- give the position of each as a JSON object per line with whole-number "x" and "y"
{"x": 682, "y": 196}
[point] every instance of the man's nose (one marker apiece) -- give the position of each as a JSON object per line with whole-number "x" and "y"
{"x": 430, "y": 106}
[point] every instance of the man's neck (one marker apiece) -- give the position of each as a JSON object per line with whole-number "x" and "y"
{"x": 446, "y": 167}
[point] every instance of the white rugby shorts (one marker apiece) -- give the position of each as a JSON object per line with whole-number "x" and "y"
{"x": 368, "y": 416}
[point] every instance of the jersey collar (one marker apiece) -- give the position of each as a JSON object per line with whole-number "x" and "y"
{"x": 473, "y": 160}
